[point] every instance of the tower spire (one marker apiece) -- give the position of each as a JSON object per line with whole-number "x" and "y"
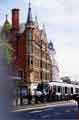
{"x": 6, "y": 16}
{"x": 29, "y": 17}
{"x": 36, "y": 22}
{"x": 29, "y": 4}
{"x": 44, "y": 27}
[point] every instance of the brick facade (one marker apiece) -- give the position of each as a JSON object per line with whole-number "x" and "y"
{"x": 31, "y": 57}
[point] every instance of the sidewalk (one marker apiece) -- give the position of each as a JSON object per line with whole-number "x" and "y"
{"x": 42, "y": 105}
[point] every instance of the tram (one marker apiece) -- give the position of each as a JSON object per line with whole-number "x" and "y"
{"x": 63, "y": 90}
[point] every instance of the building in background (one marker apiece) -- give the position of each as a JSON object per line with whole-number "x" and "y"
{"x": 31, "y": 56}
{"x": 55, "y": 68}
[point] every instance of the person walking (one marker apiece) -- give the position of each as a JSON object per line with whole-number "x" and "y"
{"x": 49, "y": 94}
{"x": 36, "y": 97}
{"x": 29, "y": 96}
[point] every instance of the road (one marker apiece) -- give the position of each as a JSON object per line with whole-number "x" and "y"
{"x": 63, "y": 111}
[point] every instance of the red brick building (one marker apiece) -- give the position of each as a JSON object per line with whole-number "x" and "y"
{"x": 31, "y": 58}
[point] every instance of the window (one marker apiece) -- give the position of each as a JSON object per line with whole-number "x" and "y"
{"x": 46, "y": 76}
{"x": 65, "y": 90}
{"x": 20, "y": 74}
{"x": 71, "y": 90}
{"x": 29, "y": 35}
{"x": 77, "y": 90}
{"x": 59, "y": 89}
{"x": 37, "y": 62}
{"x": 30, "y": 60}
{"x": 41, "y": 75}
{"x": 30, "y": 47}
{"x": 54, "y": 88}
{"x": 17, "y": 44}
{"x": 37, "y": 75}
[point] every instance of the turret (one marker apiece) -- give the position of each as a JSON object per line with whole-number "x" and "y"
{"x": 29, "y": 22}
{"x": 51, "y": 48}
{"x": 6, "y": 28}
{"x": 36, "y": 22}
{"x": 29, "y": 17}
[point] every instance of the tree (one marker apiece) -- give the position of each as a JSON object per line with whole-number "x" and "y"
{"x": 66, "y": 79}
{"x": 8, "y": 51}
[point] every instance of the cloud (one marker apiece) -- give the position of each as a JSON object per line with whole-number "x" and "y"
{"x": 68, "y": 60}
{"x": 61, "y": 18}
{"x": 70, "y": 6}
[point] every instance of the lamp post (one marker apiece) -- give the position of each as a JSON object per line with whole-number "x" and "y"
{"x": 20, "y": 90}
{"x": 17, "y": 80}
{"x": 41, "y": 68}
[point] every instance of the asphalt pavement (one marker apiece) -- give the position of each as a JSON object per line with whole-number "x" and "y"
{"x": 51, "y": 111}
{"x": 42, "y": 105}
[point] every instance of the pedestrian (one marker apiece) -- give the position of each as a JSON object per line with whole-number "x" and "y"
{"x": 29, "y": 96}
{"x": 49, "y": 94}
{"x": 21, "y": 96}
{"x": 42, "y": 97}
{"x": 36, "y": 97}
{"x": 53, "y": 95}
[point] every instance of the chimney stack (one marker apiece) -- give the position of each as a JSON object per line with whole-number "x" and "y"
{"x": 15, "y": 19}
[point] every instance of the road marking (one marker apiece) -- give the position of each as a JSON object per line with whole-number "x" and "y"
{"x": 34, "y": 108}
{"x": 45, "y": 116}
{"x": 48, "y": 106}
{"x": 36, "y": 111}
{"x": 57, "y": 113}
{"x": 67, "y": 111}
{"x": 41, "y": 110}
{"x": 75, "y": 109}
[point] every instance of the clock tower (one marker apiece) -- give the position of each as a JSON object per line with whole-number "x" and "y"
{"x": 55, "y": 69}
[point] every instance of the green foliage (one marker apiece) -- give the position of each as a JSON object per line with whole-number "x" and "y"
{"x": 8, "y": 54}
{"x": 66, "y": 79}
{"x": 6, "y": 27}
{"x": 8, "y": 51}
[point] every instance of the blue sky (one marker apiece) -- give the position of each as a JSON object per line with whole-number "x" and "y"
{"x": 61, "y": 18}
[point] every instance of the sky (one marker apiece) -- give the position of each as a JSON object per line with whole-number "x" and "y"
{"x": 61, "y": 19}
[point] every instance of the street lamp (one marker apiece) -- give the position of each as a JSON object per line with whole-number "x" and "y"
{"x": 17, "y": 80}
